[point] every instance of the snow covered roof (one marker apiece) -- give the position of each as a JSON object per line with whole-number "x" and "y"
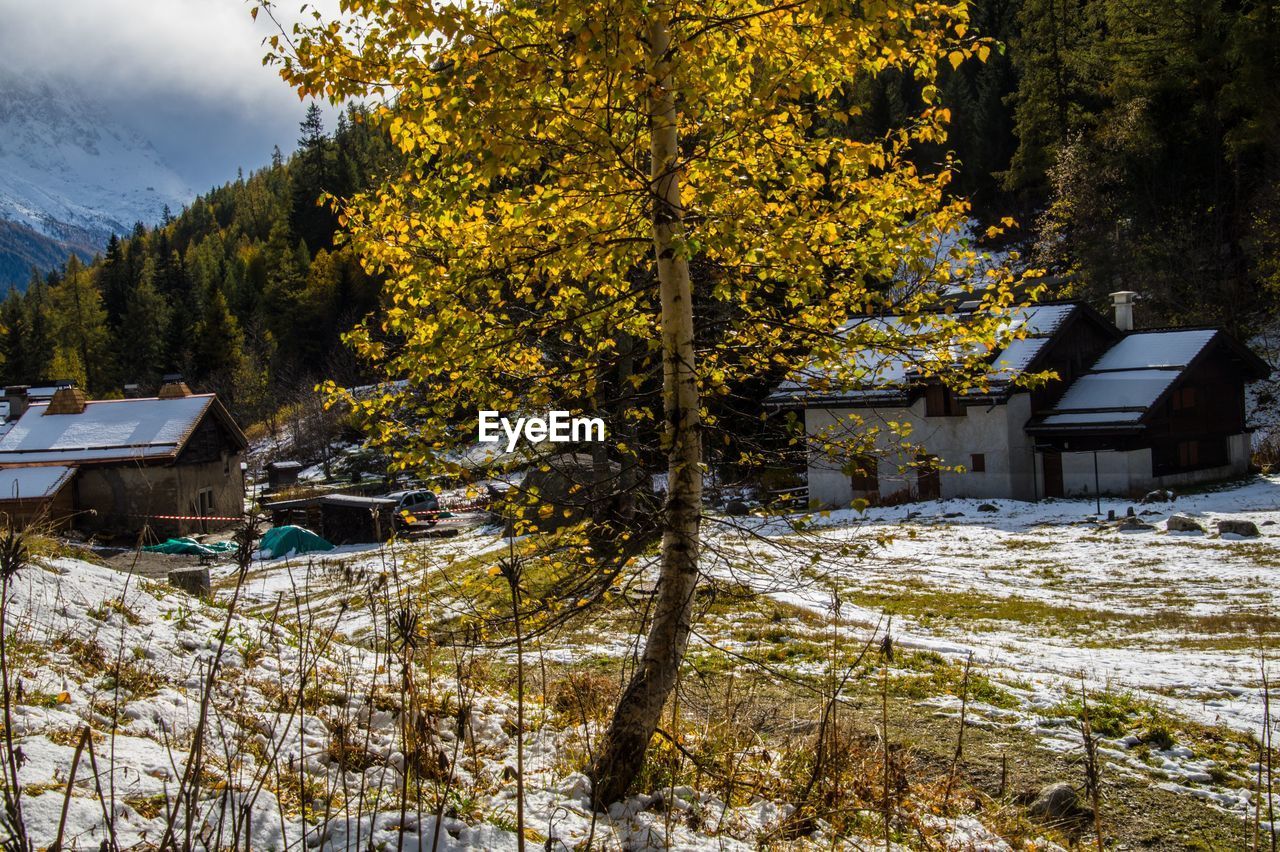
{"x": 1156, "y": 350}
{"x": 33, "y": 483}
{"x": 1118, "y": 389}
{"x": 106, "y": 430}
{"x": 1127, "y": 380}
{"x": 1039, "y": 323}
{"x": 884, "y": 371}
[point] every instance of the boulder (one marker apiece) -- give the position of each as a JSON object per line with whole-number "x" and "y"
{"x": 1248, "y": 529}
{"x": 1132, "y": 523}
{"x": 736, "y": 509}
{"x": 988, "y": 507}
{"x": 1056, "y": 803}
{"x": 193, "y": 581}
{"x": 1181, "y": 523}
{"x": 1161, "y": 496}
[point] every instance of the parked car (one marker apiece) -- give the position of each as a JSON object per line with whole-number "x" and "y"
{"x": 416, "y": 504}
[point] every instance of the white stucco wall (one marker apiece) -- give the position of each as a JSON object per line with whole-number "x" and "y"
{"x": 1012, "y": 469}
{"x": 1129, "y": 473}
{"x": 1118, "y": 472}
{"x": 994, "y": 431}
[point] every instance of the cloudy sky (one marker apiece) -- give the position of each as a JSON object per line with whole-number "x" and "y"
{"x": 186, "y": 74}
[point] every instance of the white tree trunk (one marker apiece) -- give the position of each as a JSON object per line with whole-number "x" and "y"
{"x": 641, "y": 705}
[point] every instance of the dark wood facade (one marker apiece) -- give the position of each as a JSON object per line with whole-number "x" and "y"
{"x": 1077, "y": 345}
{"x": 1188, "y": 426}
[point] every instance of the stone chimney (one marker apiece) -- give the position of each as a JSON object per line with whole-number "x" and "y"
{"x": 16, "y": 396}
{"x": 174, "y": 389}
{"x": 1123, "y": 301}
{"x": 67, "y": 401}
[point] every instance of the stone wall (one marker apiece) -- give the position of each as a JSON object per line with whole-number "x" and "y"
{"x": 122, "y": 498}
{"x": 994, "y": 431}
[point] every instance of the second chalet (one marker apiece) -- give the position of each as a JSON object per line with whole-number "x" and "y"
{"x": 1130, "y": 412}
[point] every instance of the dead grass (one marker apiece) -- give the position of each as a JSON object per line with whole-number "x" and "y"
{"x": 103, "y": 611}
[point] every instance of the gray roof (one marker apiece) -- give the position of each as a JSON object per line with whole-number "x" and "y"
{"x": 891, "y": 351}
{"x": 33, "y": 483}
{"x": 106, "y": 430}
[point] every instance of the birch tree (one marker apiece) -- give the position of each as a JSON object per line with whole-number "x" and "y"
{"x": 588, "y": 182}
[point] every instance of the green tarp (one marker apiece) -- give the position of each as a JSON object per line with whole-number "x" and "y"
{"x": 279, "y": 541}
{"x": 191, "y": 547}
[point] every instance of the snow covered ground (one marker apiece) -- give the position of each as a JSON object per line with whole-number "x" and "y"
{"x": 1052, "y": 596}
{"x": 96, "y": 646}
{"x": 1041, "y": 594}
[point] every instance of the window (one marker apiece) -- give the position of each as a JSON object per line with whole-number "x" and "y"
{"x": 204, "y": 502}
{"x": 1188, "y": 453}
{"x": 939, "y": 401}
{"x": 978, "y": 463}
{"x": 864, "y": 474}
{"x": 1175, "y": 456}
{"x": 1184, "y": 398}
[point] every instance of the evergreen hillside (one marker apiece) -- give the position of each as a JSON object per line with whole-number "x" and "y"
{"x": 244, "y": 292}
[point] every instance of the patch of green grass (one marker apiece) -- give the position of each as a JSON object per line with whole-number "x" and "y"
{"x": 47, "y": 700}
{"x": 1221, "y": 642}
{"x": 929, "y": 606}
{"x": 929, "y": 674}
{"x": 1111, "y": 713}
{"x": 134, "y": 678}
{"x": 977, "y": 611}
{"x": 51, "y": 547}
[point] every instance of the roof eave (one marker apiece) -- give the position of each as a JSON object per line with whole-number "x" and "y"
{"x": 1050, "y": 429}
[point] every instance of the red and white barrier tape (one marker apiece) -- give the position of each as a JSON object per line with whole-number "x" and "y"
{"x": 191, "y": 517}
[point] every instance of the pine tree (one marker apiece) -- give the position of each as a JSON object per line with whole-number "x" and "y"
{"x": 219, "y": 342}
{"x": 13, "y": 334}
{"x": 146, "y": 327}
{"x": 285, "y": 281}
{"x": 310, "y": 174}
{"x": 114, "y": 281}
{"x": 38, "y": 344}
{"x": 78, "y": 326}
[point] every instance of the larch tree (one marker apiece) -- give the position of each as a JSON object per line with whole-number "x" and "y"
{"x": 633, "y": 208}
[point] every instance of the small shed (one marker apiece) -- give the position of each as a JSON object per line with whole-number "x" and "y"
{"x": 340, "y": 518}
{"x": 41, "y": 494}
{"x": 282, "y": 474}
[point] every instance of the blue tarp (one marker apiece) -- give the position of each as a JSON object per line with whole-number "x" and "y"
{"x": 191, "y": 547}
{"x": 282, "y": 541}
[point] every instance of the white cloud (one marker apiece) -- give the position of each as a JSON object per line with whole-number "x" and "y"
{"x": 187, "y": 74}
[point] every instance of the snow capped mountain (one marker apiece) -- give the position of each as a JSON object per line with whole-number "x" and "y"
{"x": 70, "y": 175}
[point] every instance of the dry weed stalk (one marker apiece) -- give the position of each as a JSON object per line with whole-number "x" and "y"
{"x": 1092, "y": 774}
{"x": 14, "y": 556}
{"x": 964, "y": 708}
